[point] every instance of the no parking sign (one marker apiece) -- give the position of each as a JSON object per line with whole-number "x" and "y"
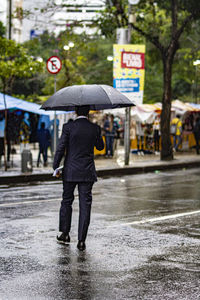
{"x": 54, "y": 64}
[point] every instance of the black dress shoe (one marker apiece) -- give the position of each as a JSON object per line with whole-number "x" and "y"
{"x": 63, "y": 238}
{"x": 81, "y": 245}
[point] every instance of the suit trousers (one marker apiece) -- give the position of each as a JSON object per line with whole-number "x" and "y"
{"x": 85, "y": 203}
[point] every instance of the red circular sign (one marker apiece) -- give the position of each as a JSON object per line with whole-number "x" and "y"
{"x": 54, "y": 64}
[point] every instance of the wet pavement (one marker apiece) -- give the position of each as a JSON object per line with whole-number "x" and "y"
{"x": 143, "y": 241}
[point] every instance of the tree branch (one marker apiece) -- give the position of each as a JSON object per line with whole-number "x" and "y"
{"x": 174, "y": 45}
{"x": 152, "y": 39}
{"x": 182, "y": 27}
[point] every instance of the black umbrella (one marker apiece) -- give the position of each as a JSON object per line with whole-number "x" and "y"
{"x": 97, "y": 96}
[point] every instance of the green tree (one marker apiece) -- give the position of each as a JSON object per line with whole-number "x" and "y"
{"x": 85, "y": 62}
{"x": 15, "y": 62}
{"x": 2, "y": 30}
{"x": 162, "y": 22}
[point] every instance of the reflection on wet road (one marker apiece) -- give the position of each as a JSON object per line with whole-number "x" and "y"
{"x": 143, "y": 241}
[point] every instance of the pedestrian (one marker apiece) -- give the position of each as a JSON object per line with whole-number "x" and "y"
{"x": 156, "y": 135}
{"x": 132, "y": 131}
{"x": 77, "y": 145}
{"x": 110, "y": 127}
{"x": 196, "y": 132}
{"x": 44, "y": 139}
{"x": 140, "y": 138}
{"x": 176, "y": 130}
{"x": 25, "y": 130}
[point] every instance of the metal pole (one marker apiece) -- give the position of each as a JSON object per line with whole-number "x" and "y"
{"x": 128, "y": 113}
{"x": 123, "y": 37}
{"x": 10, "y": 20}
{"x": 127, "y": 137}
{"x": 55, "y": 131}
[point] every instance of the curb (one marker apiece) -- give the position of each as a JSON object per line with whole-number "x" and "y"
{"x": 104, "y": 173}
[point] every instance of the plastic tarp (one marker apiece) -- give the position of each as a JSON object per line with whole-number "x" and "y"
{"x": 157, "y": 107}
{"x": 15, "y": 103}
{"x": 179, "y": 105}
{"x": 195, "y": 105}
{"x": 142, "y": 116}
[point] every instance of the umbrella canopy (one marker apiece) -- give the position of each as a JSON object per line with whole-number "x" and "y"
{"x": 97, "y": 96}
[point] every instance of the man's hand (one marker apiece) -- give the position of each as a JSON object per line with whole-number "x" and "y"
{"x": 58, "y": 174}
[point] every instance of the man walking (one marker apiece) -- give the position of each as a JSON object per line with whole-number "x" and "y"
{"x": 78, "y": 140}
{"x": 44, "y": 137}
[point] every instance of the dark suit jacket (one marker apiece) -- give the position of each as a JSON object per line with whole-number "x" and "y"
{"x": 78, "y": 140}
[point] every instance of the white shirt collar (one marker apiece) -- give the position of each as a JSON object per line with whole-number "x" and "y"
{"x": 81, "y": 117}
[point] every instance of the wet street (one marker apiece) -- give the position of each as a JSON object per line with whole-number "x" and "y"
{"x": 143, "y": 241}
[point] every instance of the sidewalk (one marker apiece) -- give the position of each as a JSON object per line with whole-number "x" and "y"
{"x": 105, "y": 166}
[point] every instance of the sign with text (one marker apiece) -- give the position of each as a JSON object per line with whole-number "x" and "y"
{"x": 129, "y": 70}
{"x": 132, "y": 60}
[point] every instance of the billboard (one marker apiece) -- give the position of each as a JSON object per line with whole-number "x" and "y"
{"x": 129, "y": 70}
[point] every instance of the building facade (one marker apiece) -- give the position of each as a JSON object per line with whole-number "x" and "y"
{"x": 11, "y": 17}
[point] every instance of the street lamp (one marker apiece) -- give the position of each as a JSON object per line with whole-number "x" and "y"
{"x": 110, "y": 58}
{"x": 67, "y": 47}
{"x": 40, "y": 59}
{"x": 196, "y": 63}
{"x": 71, "y": 44}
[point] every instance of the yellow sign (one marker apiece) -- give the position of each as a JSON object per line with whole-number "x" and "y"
{"x": 129, "y": 70}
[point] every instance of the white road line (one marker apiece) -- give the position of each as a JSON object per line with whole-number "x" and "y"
{"x": 28, "y": 202}
{"x": 156, "y": 219}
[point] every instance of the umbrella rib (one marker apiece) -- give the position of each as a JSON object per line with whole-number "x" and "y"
{"x": 106, "y": 94}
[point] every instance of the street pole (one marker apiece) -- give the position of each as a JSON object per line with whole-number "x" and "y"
{"x": 10, "y": 20}
{"x": 55, "y": 131}
{"x": 123, "y": 37}
{"x": 128, "y": 109}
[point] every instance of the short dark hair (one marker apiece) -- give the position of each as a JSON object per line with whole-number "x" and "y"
{"x": 82, "y": 110}
{"x": 178, "y": 116}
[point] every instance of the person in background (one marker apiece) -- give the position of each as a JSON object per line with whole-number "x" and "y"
{"x": 24, "y": 132}
{"x": 156, "y": 135}
{"x": 140, "y": 138}
{"x": 196, "y": 131}
{"x": 44, "y": 139}
{"x": 177, "y": 137}
{"x": 132, "y": 130}
{"x": 110, "y": 128}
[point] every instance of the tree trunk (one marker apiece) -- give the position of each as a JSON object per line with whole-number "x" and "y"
{"x": 166, "y": 151}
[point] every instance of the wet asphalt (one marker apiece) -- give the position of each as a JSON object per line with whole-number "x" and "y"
{"x": 143, "y": 241}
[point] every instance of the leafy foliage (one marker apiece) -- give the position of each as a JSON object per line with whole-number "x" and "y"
{"x": 2, "y": 30}
{"x": 15, "y": 63}
{"x": 85, "y": 62}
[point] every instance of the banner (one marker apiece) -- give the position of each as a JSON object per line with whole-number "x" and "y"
{"x": 129, "y": 70}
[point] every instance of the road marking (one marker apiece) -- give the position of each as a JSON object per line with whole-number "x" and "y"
{"x": 28, "y": 202}
{"x": 162, "y": 218}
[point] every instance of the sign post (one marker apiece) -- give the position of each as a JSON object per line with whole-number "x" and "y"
{"x": 128, "y": 78}
{"x": 54, "y": 66}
